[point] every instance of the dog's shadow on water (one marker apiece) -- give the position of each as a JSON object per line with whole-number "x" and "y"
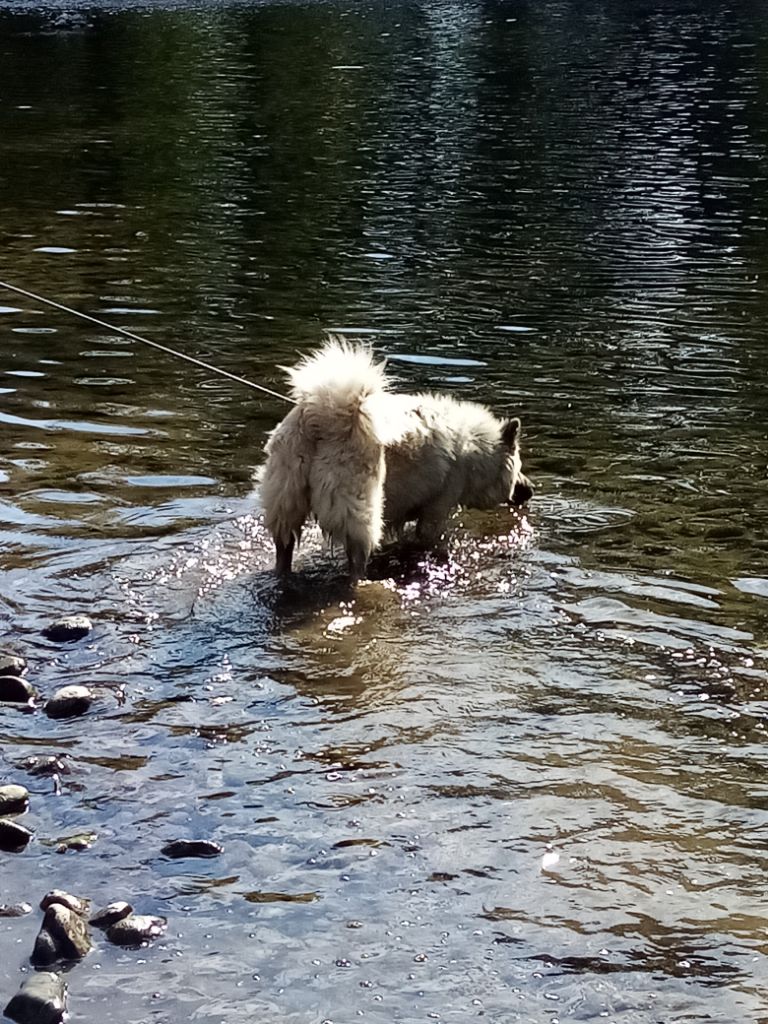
{"x": 317, "y": 612}
{"x": 338, "y": 643}
{"x": 400, "y": 568}
{"x": 291, "y": 599}
{"x": 224, "y": 586}
{"x": 400, "y": 573}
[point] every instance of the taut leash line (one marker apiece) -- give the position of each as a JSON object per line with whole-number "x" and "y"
{"x": 146, "y": 341}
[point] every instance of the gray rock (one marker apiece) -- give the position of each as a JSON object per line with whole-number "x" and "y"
{"x": 62, "y": 936}
{"x": 15, "y": 909}
{"x": 69, "y": 701}
{"x": 13, "y": 799}
{"x": 111, "y": 914}
{"x": 42, "y": 999}
{"x": 15, "y": 690}
{"x": 68, "y": 628}
{"x": 12, "y": 665}
{"x": 64, "y": 899}
{"x": 46, "y": 951}
{"x": 136, "y": 930}
{"x": 13, "y": 837}
{"x": 192, "y": 848}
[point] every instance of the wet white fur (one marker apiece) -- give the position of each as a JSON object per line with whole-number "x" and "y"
{"x": 362, "y": 460}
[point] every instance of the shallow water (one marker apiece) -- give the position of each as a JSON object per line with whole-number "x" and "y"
{"x": 526, "y": 783}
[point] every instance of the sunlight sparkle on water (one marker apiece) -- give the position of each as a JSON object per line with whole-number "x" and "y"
{"x": 342, "y": 623}
{"x": 550, "y": 860}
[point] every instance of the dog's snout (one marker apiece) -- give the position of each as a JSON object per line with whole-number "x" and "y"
{"x": 522, "y": 492}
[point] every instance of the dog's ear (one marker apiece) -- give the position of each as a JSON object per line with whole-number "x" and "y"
{"x": 510, "y": 432}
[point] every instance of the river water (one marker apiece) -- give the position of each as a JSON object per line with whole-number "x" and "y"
{"x": 526, "y": 784}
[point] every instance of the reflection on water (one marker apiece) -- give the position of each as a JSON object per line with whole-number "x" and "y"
{"x": 523, "y": 781}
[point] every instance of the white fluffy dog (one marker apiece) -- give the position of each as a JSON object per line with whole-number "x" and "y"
{"x": 363, "y": 460}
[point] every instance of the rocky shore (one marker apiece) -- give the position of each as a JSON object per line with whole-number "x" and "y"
{"x": 66, "y": 934}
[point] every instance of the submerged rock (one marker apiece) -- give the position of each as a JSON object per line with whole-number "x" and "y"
{"x": 15, "y": 690}
{"x": 45, "y": 764}
{"x": 69, "y": 701}
{"x": 12, "y": 665}
{"x": 111, "y": 914}
{"x": 192, "y": 848}
{"x": 68, "y": 628}
{"x": 136, "y": 930}
{"x": 64, "y": 899}
{"x": 42, "y": 999}
{"x": 62, "y": 936}
{"x": 13, "y": 836}
{"x": 15, "y": 909}
{"x": 80, "y": 841}
{"x": 13, "y": 800}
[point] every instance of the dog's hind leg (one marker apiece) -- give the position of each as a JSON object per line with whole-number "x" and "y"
{"x": 285, "y": 494}
{"x": 284, "y": 555}
{"x": 346, "y": 482}
{"x": 358, "y": 553}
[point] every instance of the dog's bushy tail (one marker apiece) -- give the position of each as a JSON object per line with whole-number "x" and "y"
{"x": 338, "y": 378}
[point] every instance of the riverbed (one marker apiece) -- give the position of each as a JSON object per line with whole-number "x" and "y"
{"x": 526, "y": 782}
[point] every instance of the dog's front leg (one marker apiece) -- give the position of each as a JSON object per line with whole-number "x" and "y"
{"x": 284, "y": 555}
{"x": 431, "y": 525}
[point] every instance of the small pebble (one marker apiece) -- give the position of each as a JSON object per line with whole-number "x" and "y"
{"x": 111, "y": 914}
{"x": 12, "y": 665}
{"x": 15, "y": 909}
{"x": 68, "y": 628}
{"x": 69, "y": 701}
{"x": 13, "y": 800}
{"x": 42, "y": 999}
{"x": 63, "y": 935}
{"x": 136, "y": 930}
{"x": 13, "y": 837}
{"x": 74, "y": 903}
{"x": 15, "y": 690}
{"x": 192, "y": 848}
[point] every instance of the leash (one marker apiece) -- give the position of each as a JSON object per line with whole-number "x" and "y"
{"x": 146, "y": 341}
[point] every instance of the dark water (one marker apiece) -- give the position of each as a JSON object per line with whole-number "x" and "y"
{"x": 557, "y": 208}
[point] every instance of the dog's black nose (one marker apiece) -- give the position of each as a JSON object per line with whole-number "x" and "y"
{"x": 522, "y": 492}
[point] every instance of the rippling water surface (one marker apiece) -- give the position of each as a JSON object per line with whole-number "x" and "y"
{"x": 526, "y": 784}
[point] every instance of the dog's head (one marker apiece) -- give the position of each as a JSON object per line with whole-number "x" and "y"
{"x": 518, "y": 489}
